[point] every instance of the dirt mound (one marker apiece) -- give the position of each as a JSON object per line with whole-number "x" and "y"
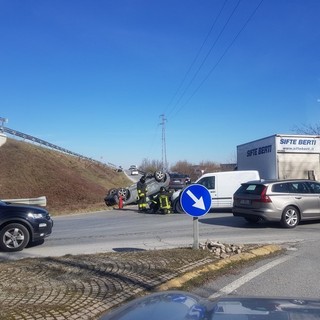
{"x": 70, "y": 184}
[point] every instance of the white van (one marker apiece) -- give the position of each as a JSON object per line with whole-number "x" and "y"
{"x": 221, "y": 185}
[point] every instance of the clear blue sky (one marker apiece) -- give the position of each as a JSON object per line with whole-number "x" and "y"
{"x": 94, "y": 76}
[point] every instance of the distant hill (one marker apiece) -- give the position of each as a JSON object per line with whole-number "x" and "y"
{"x": 70, "y": 184}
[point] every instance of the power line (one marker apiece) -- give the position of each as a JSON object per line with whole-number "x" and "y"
{"x": 198, "y": 54}
{"x": 220, "y": 59}
{"x": 208, "y": 53}
{"x": 164, "y": 156}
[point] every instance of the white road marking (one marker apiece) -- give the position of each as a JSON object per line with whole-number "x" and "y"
{"x": 241, "y": 281}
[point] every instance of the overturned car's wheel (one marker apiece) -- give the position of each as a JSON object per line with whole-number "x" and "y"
{"x": 159, "y": 176}
{"x": 111, "y": 198}
{"x": 112, "y": 192}
{"x": 123, "y": 193}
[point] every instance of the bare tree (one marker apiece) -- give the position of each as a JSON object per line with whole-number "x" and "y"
{"x": 307, "y": 129}
{"x": 182, "y": 167}
{"x": 150, "y": 165}
{"x": 195, "y": 171}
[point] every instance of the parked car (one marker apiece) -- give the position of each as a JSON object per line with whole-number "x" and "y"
{"x": 129, "y": 195}
{"x": 21, "y": 225}
{"x": 134, "y": 172}
{"x": 178, "y": 181}
{"x": 284, "y": 201}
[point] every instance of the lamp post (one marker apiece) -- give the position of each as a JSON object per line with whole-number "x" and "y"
{"x": 3, "y": 137}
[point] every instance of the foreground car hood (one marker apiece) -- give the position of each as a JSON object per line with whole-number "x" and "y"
{"x": 176, "y": 305}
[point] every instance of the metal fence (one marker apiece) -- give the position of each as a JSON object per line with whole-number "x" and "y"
{"x": 52, "y": 146}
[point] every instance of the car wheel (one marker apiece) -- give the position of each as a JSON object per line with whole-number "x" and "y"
{"x": 159, "y": 176}
{"x": 14, "y": 237}
{"x": 112, "y": 192}
{"x": 290, "y": 217}
{"x": 124, "y": 193}
{"x": 177, "y": 206}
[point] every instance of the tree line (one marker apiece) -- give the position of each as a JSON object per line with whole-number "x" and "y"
{"x": 194, "y": 171}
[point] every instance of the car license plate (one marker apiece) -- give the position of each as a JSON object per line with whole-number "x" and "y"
{"x": 245, "y": 201}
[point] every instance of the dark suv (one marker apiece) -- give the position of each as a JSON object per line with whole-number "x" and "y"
{"x": 21, "y": 225}
{"x": 178, "y": 181}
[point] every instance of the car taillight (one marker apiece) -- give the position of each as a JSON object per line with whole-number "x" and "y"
{"x": 264, "y": 197}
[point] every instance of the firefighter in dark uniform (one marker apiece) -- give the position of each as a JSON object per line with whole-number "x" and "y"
{"x": 142, "y": 194}
{"x": 164, "y": 201}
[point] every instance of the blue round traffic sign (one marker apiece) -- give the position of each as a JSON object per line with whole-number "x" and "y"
{"x": 195, "y": 200}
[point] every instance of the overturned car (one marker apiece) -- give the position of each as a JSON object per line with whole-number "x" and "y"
{"x": 129, "y": 195}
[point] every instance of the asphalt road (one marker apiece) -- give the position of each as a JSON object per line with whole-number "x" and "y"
{"x": 294, "y": 274}
{"x": 124, "y": 230}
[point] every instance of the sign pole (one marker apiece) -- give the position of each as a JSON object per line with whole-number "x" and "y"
{"x": 195, "y": 200}
{"x": 195, "y": 233}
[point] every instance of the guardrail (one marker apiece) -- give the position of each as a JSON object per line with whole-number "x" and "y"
{"x": 52, "y": 146}
{"x": 3, "y": 138}
{"x": 40, "y": 201}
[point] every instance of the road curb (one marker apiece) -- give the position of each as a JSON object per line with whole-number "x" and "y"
{"x": 245, "y": 256}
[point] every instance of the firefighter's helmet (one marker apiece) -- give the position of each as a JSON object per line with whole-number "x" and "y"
{"x": 143, "y": 179}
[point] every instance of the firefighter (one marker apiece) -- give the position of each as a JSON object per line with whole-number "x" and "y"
{"x": 164, "y": 201}
{"x": 142, "y": 194}
{"x": 154, "y": 203}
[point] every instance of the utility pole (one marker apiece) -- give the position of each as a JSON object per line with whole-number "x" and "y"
{"x": 164, "y": 148}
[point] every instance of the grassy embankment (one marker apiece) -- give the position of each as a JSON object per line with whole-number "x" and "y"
{"x": 70, "y": 184}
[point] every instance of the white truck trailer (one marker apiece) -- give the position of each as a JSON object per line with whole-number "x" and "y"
{"x": 282, "y": 156}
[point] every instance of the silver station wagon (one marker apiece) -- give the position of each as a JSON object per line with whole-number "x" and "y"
{"x": 285, "y": 201}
